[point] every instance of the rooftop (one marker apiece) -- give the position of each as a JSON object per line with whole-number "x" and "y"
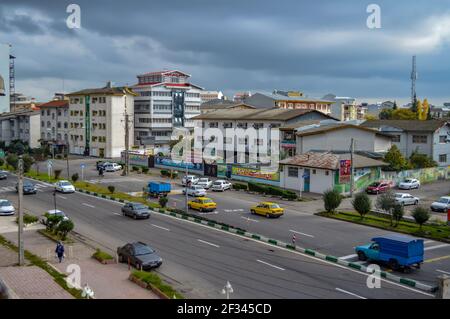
{"x": 266, "y": 114}
{"x": 333, "y": 126}
{"x": 407, "y": 125}
{"x": 55, "y": 103}
{"x": 107, "y": 90}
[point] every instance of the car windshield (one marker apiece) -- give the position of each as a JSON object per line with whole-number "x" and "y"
{"x": 398, "y": 195}
{"x": 217, "y": 183}
{"x": 65, "y": 184}
{"x": 143, "y": 250}
{"x": 203, "y": 180}
{"x": 409, "y": 180}
{"x": 206, "y": 201}
{"x": 274, "y": 206}
{"x": 375, "y": 184}
{"x": 443, "y": 200}
{"x": 140, "y": 207}
{"x": 197, "y": 187}
{"x": 28, "y": 184}
{"x": 5, "y": 203}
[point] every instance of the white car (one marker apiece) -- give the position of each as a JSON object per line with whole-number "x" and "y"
{"x": 442, "y": 205}
{"x": 6, "y": 208}
{"x": 409, "y": 183}
{"x": 112, "y": 167}
{"x": 64, "y": 187}
{"x": 221, "y": 185}
{"x": 406, "y": 199}
{"x": 191, "y": 179}
{"x": 195, "y": 190}
{"x": 204, "y": 182}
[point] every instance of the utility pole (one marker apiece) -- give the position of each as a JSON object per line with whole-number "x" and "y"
{"x": 127, "y": 139}
{"x": 66, "y": 150}
{"x": 352, "y": 149}
{"x": 19, "y": 207}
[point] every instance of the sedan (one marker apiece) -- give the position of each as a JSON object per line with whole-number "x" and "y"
{"x": 221, "y": 185}
{"x": 267, "y": 209}
{"x": 136, "y": 210}
{"x": 112, "y": 167}
{"x": 3, "y": 175}
{"x": 6, "y": 208}
{"x": 189, "y": 179}
{"x": 139, "y": 255}
{"x": 204, "y": 182}
{"x": 377, "y": 187}
{"x": 442, "y": 205}
{"x": 195, "y": 191}
{"x": 64, "y": 187}
{"x": 28, "y": 188}
{"x": 203, "y": 204}
{"x": 409, "y": 183}
{"x": 406, "y": 199}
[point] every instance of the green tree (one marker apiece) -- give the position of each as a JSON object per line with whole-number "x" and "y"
{"x": 163, "y": 201}
{"x": 418, "y": 160}
{"x": 385, "y": 114}
{"x": 27, "y": 162}
{"x": 2, "y": 161}
{"x": 362, "y": 204}
{"x": 331, "y": 199}
{"x": 386, "y": 202}
{"x": 12, "y": 160}
{"x": 111, "y": 189}
{"x": 397, "y": 213}
{"x": 395, "y": 159}
{"x": 421, "y": 215}
{"x": 395, "y": 107}
{"x": 57, "y": 173}
{"x": 414, "y": 107}
{"x": 75, "y": 177}
{"x": 403, "y": 114}
{"x": 64, "y": 228}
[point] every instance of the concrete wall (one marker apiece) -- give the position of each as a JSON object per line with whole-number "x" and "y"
{"x": 441, "y": 148}
{"x": 319, "y": 180}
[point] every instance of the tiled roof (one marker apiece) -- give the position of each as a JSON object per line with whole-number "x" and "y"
{"x": 55, "y": 103}
{"x": 104, "y": 91}
{"x": 318, "y": 129}
{"x": 407, "y": 125}
{"x": 329, "y": 160}
{"x": 268, "y": 114}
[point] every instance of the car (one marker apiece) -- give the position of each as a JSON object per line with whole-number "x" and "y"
{"x": 409, "y": 183}
{"x": 53, "y": 212}
{"x": 441, "y": 205}
{"x": 101, "y": 164}
{"x": 28, "y": 188}
{"x": 221, "y": 185}
{"x": 6, "y": 208}
{"x": 195, "y": 190}
{"x": 136, "y": 210}
{"x": 140, "y": 255}
{"x": 203, "y": 204}
{"x": 406, "y": 199}
{"x": 3, "y": 175}
{"x": 64, "y": 187}
{"x": 377, "y": 187}
{"x": 112, "y": 167}
{"x": 267, "y": 209}
{"x": 204, "y": 182}
{"x": 190, "y": 179}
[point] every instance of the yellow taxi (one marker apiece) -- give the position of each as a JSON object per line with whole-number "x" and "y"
{"x": 267, "y": 209}
{"x": 203, "y": 204}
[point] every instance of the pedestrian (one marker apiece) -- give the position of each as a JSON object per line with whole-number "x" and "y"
{"x": 100, "y": 171}
{"x": 59, "y": 251}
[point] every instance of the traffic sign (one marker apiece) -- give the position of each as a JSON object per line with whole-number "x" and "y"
{"x": 83, "y": 165}
{"x": 49, "y": 164}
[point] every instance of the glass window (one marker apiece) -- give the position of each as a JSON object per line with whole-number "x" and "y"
{"x": 293, "y": 171}
{"x": 443, "y": 158}
{"x": 419, "y": 139}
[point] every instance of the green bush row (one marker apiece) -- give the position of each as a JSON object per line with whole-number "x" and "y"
{"x": 154, "y": 280}
{"x": 239, "y": 186}
{"x": 166, "y": 173}
{"x": 271, "y": 190}
{"x": 28, "y": 219}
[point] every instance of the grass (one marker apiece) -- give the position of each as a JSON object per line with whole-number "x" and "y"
{"x": 435, "y": 232}
{"x": 155, "y": 280}
{"x": 102, "y": 256}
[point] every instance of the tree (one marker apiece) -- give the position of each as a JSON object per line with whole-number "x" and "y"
{"x": 331, "y": 199}
{"x": 111, "y": 189}
{"x": 395, "y": 159}
{"x": 397, "y": 213}
{"x": 75, "y": 177}
{"x": 418, "y": 160}
{"x": 362, "y": 204}
{"x": 27, "y": 162}
{"x": 12, "y": 160}
{"x": 57, "y": 173}
{"x": 385, "y": 114}
{"x": 386, "y": 202}
{"x": 421, "y": 215}
{"x": 425, "y": 110}
{"x": 414, "y": 105}
{"x": 420, "y": 110}
{"x": 64, "y": 228}
{"x": 370, "y": 117}
{"x": 395, "y": 107}
{"x": 2, "y": 161}
{"x": 403, "y": 114}
{"x": 163, "y": 201}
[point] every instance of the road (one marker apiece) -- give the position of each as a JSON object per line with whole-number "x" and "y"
{"x": 199, "y": 260}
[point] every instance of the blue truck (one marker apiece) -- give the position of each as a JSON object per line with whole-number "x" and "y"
{"x": 156, "y": 189}
{"x": 399, "y": 252}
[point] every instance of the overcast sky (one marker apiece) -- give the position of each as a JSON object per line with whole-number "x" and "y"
{"x": 317, "y": 47}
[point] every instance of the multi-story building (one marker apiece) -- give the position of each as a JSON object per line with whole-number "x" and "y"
{"x": 240, "y": 97}
{"x": 345, "y": 108}
{"x": 22, "y": 125}
{"x": 207, "y": 96}
{"x": 215, "y": 105}
{"x": 166, "y": 100}
{"x": 4, "y": 77}
{"x": 97, "y": 121}
{"x": 20, "y": 102}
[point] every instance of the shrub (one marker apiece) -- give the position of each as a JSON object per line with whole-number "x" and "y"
{"x": 397, "y": 213}
{"x": 421, "y": 215}
{"x": 59, "y": 156}
{"x": 28, "y": 219}
{"x": 2, "y": 161}
{"x": 253, "y": 187}
{"x": 238, "y": 186}
{"x": 362, "y": 204}
{"x": 75, "y": 177}
{"x": 386, "y": 202}
{"x": 12, "y": 160}
{"x": 64, "y": 228}
{"x": 144, "y": 170}
{"x": 111, "y": 189}
{"x": 290, "y": 195}
{"x": 101, "y": 255}
{"x": 135, "y": 168}
{"x": 52, "y": 222}
{"x": 57, "y": 173}
{"x": 163, "y": 201}
{"x": 27, "y": 162}
{"x": 331, "y": 199}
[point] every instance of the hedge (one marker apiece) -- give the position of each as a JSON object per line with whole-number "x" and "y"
{"x": 271, "y": 190}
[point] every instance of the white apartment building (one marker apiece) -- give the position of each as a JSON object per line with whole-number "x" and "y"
{"x": 97, "y": 121}
{"x": 345, "y": 108}
{"x": 166, "y": 100}
{"x": 22, "y": 125}
{"x": 55, "y": 122}
{"x": 207, "y": 96}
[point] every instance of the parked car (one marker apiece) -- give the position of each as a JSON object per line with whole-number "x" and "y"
{"x": 409, "y": 183}
{"x": 221, "y": 185}
{"x": 3, "y": 175}
{"x": 136, "y": 210}
{"x": 139, "y": 255}
{"x": 156, "y": 189}
{"x": 64, "y": 187}
{"x": 406, "y": 199}
{"x": 378, "y": 187}
{"x": 112, "y": 167}
{"x": 267, "y": 209}
{"x": 204, "y": 182}
{"x": 442, "y": 205}
{"x": 6, "y": 208}
{"x": 191, "y": 179}
{"x": 28, "y": 188}
{"x": 52, "y": 212}
{"x": 397, "y": 251}
{"x": 195, "y": 190}
{"x": 203, "y": 204}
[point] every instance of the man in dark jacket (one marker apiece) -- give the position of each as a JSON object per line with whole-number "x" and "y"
{"x": 59, "y": 251}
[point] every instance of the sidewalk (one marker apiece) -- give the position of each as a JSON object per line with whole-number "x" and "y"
{"x": 107, "y": 281}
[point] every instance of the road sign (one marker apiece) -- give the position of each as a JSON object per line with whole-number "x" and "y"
{"x": 83, "y": 165}
{"x": 49, "y": 164}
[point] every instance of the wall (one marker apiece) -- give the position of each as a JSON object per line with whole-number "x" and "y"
{"x": 4, "y": 73}
{"x": 441, "y": 148}
{"x": 362, "y": 178}
{"x": 425, "y": 175}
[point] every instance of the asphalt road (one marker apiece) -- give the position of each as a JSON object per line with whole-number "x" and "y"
{"x": 199, "y": 260}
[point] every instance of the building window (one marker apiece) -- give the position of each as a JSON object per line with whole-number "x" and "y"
{"x": 442, "y": 139}
{"x": 327, "y": 173}
{"x": 443, "y": 158}
{"x": 419, "y": 139}
{"x": 396, "y": 138}
{"x": 314, "y": 171}
{"x": 293, "y": 171}
{"x": 42, "y": 124}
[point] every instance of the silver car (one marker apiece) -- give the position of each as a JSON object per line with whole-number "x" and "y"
{"x": 204, "y": 182}
{"x": 409, "y": 183}
{"x": 442, "y": 205}
{"x": 406, "y": 199}
{"x": 195, "y": 191}
{"x": 6, "y": 208}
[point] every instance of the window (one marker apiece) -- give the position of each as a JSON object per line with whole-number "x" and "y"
{"x": 443, "y": 158}
{"x": 327, "y": 173}
{"x": 48, "y": 124}
{"x": 396, "y": 138}
{"x": 42, "y": 124}
{"x": 442, "y": 139}
{"x": 65, "y": 124}
{"x": 314, "y": 171}
{"x": 293, "y": 171}
{"x": 419, "y": 139}
{"x": 59, "y": 124}
{"x": 42, "y": 112}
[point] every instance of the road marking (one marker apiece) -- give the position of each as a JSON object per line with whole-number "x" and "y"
{"x": 350, "y": 293}
{"x": 266, "y": 263}
{"x": 348, "y": 257}
{"x": 208, "y": 243}
{"x": 297, "y": 232}
{"x": 436, "y": 259}
{"x": 428, "y": 241}
{"x": 436, "y": 247}
{"x": 249, "y": 219}
{"x": 117, "y": 214}
{"x": 160, "y": 227}
{"x": 88, "y": 205}
{"x": 444, "y": 272}
{"x": 59, "y": 196}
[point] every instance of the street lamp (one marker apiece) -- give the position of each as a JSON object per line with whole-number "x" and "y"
{"x": 227, "y": 290}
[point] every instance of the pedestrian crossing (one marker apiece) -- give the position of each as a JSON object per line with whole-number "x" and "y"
{"x": 12, "y": 188}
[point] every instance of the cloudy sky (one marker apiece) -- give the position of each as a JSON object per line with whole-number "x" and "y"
{"x": 317, "y": 47}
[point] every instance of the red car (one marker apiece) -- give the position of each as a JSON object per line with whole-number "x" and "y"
{"x": 378, "y": 187}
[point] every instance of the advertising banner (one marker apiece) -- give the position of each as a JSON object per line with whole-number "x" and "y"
{"x": 344, "y": 171}
{"x": 254, "y": 173}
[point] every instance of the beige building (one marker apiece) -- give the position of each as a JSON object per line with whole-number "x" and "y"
{"x": 55, "y": 122}
{"x": 21, "y": 125}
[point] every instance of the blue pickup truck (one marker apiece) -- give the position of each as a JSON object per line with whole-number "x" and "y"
{"x": 156, "y": 189}
{"x": 399, "y": 252}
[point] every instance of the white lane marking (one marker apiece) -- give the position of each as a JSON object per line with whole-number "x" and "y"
{"x": 442, "y": 271}
{"x": 428, "y": 241}
{"x": 348, "y": 257}
{"x": 117, "y": 214}
{"x": 297, "y": 232}
{"x": 266, "y": 263}
{"x": 436, "y": 247}
{"x": 249, "y": 219}
{"x": 350, "y": 293}
{"x": 208, "y": 243}
{"x": 88, "y": 205}
{"x": 59, "y": 196}
{"x": 160, "y": 227}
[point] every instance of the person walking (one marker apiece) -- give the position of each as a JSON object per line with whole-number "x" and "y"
{"x": 59, "y": 251}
